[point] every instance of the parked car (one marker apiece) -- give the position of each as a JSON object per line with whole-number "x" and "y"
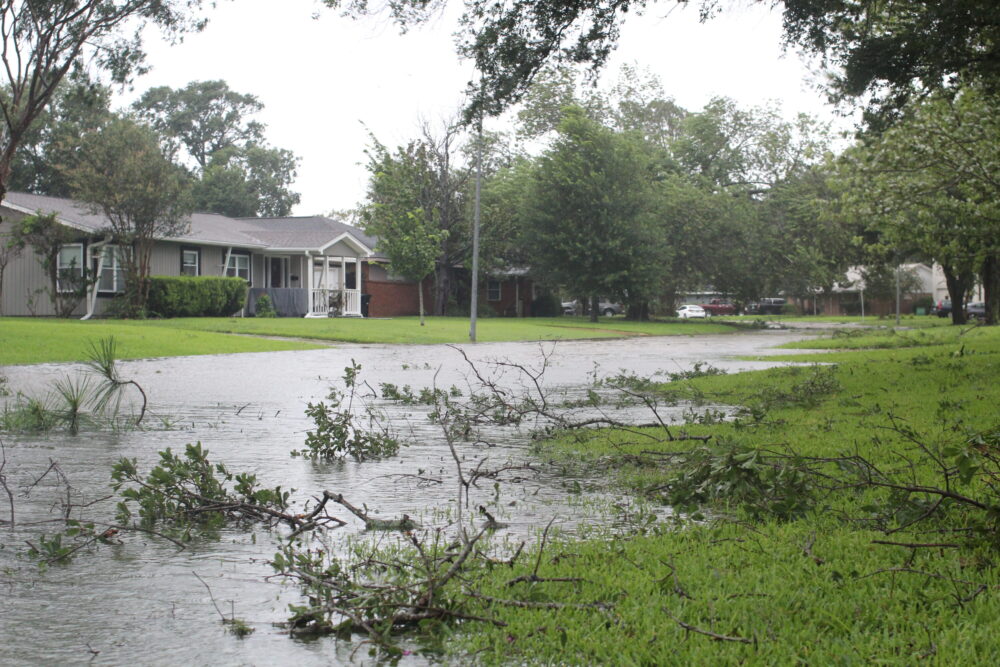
{"x": 976, "y": 309}
{"x": 767, "y": 306}
{"x": 690, "y": 310}
{"x": 942, "y": 308}
{"x": 719, "y": 307}
{"x": 605, "y": 308}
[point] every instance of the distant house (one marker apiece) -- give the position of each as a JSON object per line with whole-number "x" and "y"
{"x": 850, "y": 298}
{"x": 304, "y": 264}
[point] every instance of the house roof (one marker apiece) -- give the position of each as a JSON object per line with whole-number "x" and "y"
{"x": 300, "y": 234}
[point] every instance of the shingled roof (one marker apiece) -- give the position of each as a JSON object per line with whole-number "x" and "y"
{"x": 288, "y": 234}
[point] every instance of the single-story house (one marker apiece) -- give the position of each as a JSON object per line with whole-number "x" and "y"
{"x": 300, "y": 262}
{"x": 850, "y": 298}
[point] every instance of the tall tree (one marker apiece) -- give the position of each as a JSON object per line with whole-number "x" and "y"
{"x": 79, "y": 107}
{"x": 421, "y": 179}
{"x": 932, "y": 183}
{"x": 587, "y": 221}
{"x": 210, "y": 128}
{"x": 43, "y": 41}
{"x": 123, "y": 175}
{"x": 248, "y": 182}
{"x": 202, "y": 118}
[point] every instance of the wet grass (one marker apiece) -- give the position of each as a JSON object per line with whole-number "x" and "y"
{"x": 906, "y": 321}
{"x": 749, "y": 589}
{"x": 439, "y": 329}
{"x": 26, "y": 340}
{"x": 859, "y": 339}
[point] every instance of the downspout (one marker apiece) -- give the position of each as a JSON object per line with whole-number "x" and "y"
{"x": 92, "y": 302}
{"x": 225, "y": 264}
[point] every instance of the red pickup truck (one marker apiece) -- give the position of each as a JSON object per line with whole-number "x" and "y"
{"x": 717, "y": 307}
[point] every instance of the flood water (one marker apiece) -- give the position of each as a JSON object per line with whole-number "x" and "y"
{"x": 139, "y": 603}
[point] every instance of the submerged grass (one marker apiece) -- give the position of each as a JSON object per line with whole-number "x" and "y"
{"x": 738, "y": 588}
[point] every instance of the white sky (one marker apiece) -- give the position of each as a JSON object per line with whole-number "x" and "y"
{"x": 323, "y": 79}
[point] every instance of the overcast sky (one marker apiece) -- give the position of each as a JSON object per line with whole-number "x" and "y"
{"x": 324, "y": 79}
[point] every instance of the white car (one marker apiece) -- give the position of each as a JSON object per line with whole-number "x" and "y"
{"x": 691, "y": 310}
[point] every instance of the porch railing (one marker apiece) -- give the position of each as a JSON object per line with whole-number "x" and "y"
{"x": 325, "y": 302}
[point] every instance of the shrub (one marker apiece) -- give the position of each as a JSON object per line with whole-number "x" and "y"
{"x": 264, "y": 307}
{"x": 546, "y": 305}
{"x": 202, "y": 296}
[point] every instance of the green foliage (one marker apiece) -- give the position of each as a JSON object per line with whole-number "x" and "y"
{"x": 546, "y": 305}
{"x": 123, "y": 175}
{"x": 415, "y": 208}
{"x": 587, "y": 218}
{"x": 264, "y": 307}
{"x": 79, "y": 106}
{"x": 248, "y": 182}
{"x": 341, "y": 433}
{"x": 426, "y": 395}
{"x": 27, "y": 415}
{"x": 196, "y": 296}
{"x": 737, "y": 477}
{"x": 189, "y": 492}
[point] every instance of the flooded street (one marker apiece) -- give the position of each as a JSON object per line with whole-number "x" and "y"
{"x": 139, "y": 603}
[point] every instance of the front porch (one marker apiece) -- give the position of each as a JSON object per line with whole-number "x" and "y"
{"x": 311, "y": 285}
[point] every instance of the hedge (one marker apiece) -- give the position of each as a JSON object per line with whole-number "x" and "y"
{"x": 202, "y": 296}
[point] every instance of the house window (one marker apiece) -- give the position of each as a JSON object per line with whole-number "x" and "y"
{"x": 492, "y": 290}
{"x": 112, "y": 278}
{"x": 239, "y": 266}
{"x": 69, "y": 267}
{"x": 190, "y": 262}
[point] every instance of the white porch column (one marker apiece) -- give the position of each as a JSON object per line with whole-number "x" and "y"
{"x": 357, "y": 283}
{"x": 343, "y": 284}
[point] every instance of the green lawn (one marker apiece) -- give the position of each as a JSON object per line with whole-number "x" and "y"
{"x": 755, "y": 588}
{"x": 906, "y": 321}
{"x": 441, "y": 329}
{"x": 858, "y": 339}
{"x": 34, "y": 340}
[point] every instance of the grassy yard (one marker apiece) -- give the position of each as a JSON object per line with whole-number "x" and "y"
{"x": 33, "y": 340}
{"x": 441, "y": 329}
{"x": 756, "y": 582}
{"x": 907, "y": 321}
{"x": 860, "y": 339}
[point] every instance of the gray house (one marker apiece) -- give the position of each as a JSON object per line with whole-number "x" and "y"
{"x": 304, "y": 264}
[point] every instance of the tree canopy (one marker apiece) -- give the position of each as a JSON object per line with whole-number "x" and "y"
{"x": 123, "y": 175}
{"x": 45, "y": 41}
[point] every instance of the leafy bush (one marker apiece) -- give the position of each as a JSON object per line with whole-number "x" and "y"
{"x": 546, "y": 305}
{"x": 201, "y": 296}
{"x": 264, "y": 307}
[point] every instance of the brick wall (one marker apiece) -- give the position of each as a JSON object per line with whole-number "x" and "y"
{"x": 392, "y": 298}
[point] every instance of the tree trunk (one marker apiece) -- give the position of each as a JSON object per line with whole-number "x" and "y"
{"x": 595, "y": 304}
{"x": 958, "y": 283}
{"x": 420, "y": 298}
{"x": 990, "y": 276}
{"x": 442, "y": 287}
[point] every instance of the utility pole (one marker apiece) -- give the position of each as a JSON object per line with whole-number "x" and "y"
{"x": 897, "y": 290}
{"x": 474, "y": 306}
